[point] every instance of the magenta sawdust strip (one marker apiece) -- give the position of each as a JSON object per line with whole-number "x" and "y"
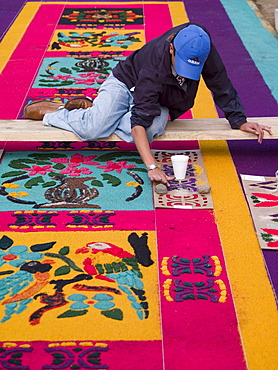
{"x": 186, "y": 115}
{"x": 153, "y": 28}
{"x": 82, "y": 355}
{"x": 82, "y": 220}
{"x": 196, "y": 301}
{"x": 20, "y": 70}
{"x": 14, "y": 146}
{"x": 175, "y": 145}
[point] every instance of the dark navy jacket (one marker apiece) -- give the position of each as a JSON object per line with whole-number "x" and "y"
{"x": 149, "y": 71}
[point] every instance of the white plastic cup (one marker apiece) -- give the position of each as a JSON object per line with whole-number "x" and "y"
{"x": 179, "y": 163}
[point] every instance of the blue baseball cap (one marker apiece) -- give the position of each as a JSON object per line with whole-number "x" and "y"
{"x": 192, "y": 47}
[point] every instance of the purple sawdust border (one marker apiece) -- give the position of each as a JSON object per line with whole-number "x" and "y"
{"x": 9, "y": 12}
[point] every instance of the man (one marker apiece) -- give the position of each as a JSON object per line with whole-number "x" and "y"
{"x": 156, "y": 81}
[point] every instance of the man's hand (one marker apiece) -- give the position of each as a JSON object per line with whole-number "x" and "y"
{"x": 159, "y": 176}
{"x": 143, "y": 146}
{"x": 256, "y": 129}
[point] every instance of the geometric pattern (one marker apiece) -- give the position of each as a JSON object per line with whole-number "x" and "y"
{"x": 262, "y": 197}
{"x": 183, "y": 193}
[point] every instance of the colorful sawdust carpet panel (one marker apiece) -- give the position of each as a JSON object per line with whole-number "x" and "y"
{"x": 73, "y": 180}
{"x": 86, "y": 281}
{"x": 262, "y": 196}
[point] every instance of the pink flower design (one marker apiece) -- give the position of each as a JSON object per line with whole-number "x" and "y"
{"x": 61, "y": 77}
{"x": 84, "y": 82}
{"x": 77, "y": 159}
{"x": 74, "y": 161}
{"x": 89, "y": 74}
{"x": 117, "y": 166}
{"x": 60, "y": 160}
{"x": 38, "y": 170}
{"x": 72, "y": 170}
{"x": 87, "y": 78}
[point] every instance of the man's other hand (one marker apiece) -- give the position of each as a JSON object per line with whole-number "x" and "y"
{"x": 256, "y": 129}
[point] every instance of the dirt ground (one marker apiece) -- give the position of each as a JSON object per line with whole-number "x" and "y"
{"x": 267, "y": 8}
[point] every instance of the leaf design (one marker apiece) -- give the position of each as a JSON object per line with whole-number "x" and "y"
{"x": 115, "y": 314}
{"x": 65, "y": 70}
{"x": 115, "y": 155}
{"x": 42, "y": 247}
{"x": 136, "y": 160}
{"x": 97, "y": 183}
{"x": 63, "y": 270}
{"x": 51, "y": 174}
{"x": 113, "y": 180}
{"x": 67, "y": 260}
{"x": 138, "y": 169}
{"x": 19, "y": 163}
{"x": 72, "y": 313}
{"x": 271, "y": 231}
{"x": 34, "y": 182}
{"x": 48, "y": 184}
{"x": 64, "y": 251}
{"x": 13, "y": 174}
{"x": 59, "y": 166}
{"x": 46, "y": 156}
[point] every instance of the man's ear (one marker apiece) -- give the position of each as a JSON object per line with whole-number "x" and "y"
{"x": 172, "y": 49}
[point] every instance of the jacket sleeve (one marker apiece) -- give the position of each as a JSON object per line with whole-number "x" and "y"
{"x": 224, "y": 94}
{"x": 146, "y": 99}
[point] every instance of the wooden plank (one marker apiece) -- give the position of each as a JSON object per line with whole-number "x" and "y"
{"x": 190, "y": 129}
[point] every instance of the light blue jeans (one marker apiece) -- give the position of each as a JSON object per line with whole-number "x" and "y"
{"x": 109, "y": 114}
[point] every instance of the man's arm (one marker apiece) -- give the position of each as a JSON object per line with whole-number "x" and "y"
{"x": 226, "y": 97}
{"x": 143, "y": 147}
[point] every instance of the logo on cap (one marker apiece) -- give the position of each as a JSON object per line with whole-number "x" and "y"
{"x": 194, "y": 61}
